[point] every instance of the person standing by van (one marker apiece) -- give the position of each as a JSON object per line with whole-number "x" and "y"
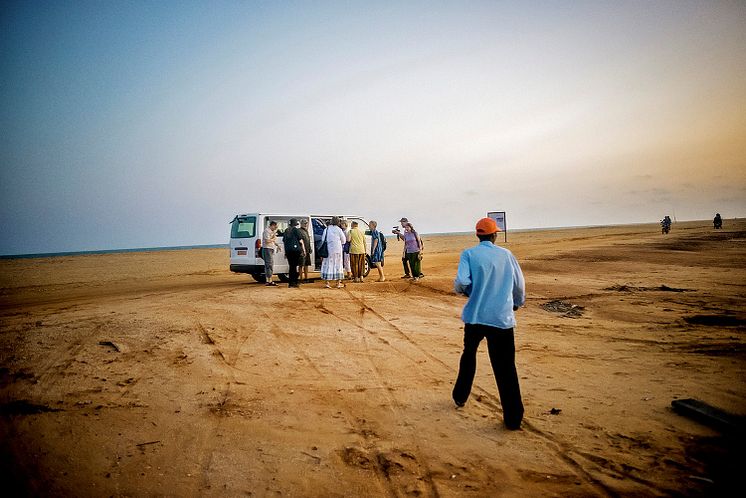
{"x": 357, "y": 252}
{"x": 404, "y": 260}
{"x": 295, "y": 250}
{"x": 346, "y": 249}
{"x": 490, "y": 277}
{"x": 413, "y": 250}
{"x": 269, "y": 246}
{"x": 306, "y": 261}
{"x": 332, "y": 267}
{"x": 376, "y": 249}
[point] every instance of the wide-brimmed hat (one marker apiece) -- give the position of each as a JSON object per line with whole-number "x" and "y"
{"x": 487, "y": 226}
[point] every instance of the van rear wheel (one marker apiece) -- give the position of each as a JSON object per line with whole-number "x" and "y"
{"x": 366, "y": 266}
{"x": 259, "y": 277}
{"x": 284, "y": 278}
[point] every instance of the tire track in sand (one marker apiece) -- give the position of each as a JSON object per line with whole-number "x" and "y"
{"x": 561, "y": 449}
{"x": 383, "y": 464}
{"x": 218, "y": 408}
{"x": 357, "y": 424}
{"x": 425, "y": 471}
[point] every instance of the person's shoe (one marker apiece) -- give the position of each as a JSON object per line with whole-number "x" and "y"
{"x": 383, "y": 279}
{"x": 271, "y": 284}
{"x": 416, "y": 279}
{"x": 459, "y": 404}
{"x": 406, "y": 276}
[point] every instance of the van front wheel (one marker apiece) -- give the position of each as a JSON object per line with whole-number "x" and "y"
{"x": 259, "y": 277}
{"x": 284, "y": 278}
{"x": 366, "y": 266}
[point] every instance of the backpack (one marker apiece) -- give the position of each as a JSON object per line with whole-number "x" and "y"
{"x": 383, "y": 241}
{"x": 291, "y": 240}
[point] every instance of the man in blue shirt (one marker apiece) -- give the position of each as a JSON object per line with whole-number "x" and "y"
{"x": 490, "y": 276}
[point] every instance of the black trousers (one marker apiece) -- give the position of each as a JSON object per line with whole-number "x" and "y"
{"x": 405, "y": 264}
{"x": 294, "y": 259}
{"x": 501, "y": 348}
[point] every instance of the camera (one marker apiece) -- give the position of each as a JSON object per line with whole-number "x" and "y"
{"x": 396, "y": 230}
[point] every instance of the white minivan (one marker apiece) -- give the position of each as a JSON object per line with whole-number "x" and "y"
{"x": 246, "y": 242}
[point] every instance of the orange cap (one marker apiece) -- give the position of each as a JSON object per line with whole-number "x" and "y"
{"x": 487, "y": 226}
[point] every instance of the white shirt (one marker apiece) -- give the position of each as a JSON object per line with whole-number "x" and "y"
{"x": 268, "y": 239}
{"x": 335, "y": 239}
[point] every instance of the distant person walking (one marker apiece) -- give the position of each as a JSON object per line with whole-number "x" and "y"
{"x": 491, "y": 278}
{"x": 295, "y": 250}
{"x": 269, "y": 246}
{"x": 308, "y": 259}
{"x": 377, "y": 248}
{"x": 413, "y": 250}
{"x": 717, "y": 221}
{"x": 357, "y": 252}
{"x": 665, "y": 224}
{"x": 332, "y": 267}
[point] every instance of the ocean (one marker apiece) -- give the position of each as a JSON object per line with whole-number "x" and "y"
{"x": 111, "y": 251}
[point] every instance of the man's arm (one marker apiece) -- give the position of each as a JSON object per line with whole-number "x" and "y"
{"x": 519, "y": 285}
{"x": 462, "y": 284}
{"x": 302, "y": 242}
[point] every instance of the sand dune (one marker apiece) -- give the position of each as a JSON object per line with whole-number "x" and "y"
{"x": 164, "y": 373}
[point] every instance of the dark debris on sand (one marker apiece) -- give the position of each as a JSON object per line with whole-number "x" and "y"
{"x": 566, "y": 309}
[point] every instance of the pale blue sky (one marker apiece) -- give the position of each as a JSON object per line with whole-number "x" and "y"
{"x": 131, "y": 124}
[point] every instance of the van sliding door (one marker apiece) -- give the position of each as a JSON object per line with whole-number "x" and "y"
{"x": 318, "y": 225}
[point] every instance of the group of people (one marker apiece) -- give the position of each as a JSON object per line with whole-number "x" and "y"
{"x": 344, "y": 251}
{"x": 487, "y": 274}
{"x": 296, "y": 242}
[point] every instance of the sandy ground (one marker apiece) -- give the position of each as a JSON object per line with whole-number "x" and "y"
{"x": 163, "y": 373}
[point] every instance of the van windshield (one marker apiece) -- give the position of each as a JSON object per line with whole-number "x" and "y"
{"x": 243, "y": 227}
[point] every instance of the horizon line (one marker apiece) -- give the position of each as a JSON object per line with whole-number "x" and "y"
{"x": 227, "y": 244}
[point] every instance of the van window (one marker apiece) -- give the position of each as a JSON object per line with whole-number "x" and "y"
{"x": 283, "y": 223}
{"x": 362, "y": 224}
{"x": 243, "y": 227}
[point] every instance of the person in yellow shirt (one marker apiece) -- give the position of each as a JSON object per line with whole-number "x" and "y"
{"x": 357, "y": 252}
